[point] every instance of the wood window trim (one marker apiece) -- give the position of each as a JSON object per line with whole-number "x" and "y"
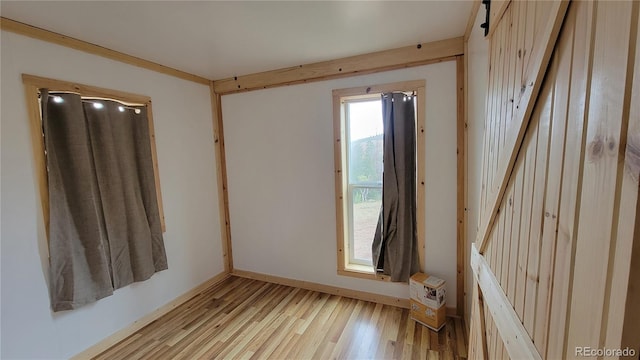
{"x": 32, "y": 86}
{"x": 417, "y": 86}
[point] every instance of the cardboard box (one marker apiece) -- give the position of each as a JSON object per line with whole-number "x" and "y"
{"x": 432, "y": 318}
{"x": 428, "y": 290}
{"x": 427, "y": 297}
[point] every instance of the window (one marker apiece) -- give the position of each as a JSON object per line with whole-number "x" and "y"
{"x": 97, "y": 173}
{"x": 363, "y": 130}
{"x": 33, "y": 84}
{"x": 358, "y": 132}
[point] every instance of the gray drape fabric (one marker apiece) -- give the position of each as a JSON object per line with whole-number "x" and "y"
{"x": 105, "y": 229}
{"x": 395, "y": 242}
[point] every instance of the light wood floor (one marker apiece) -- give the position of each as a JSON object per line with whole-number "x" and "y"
{"x": 243, "y": 319}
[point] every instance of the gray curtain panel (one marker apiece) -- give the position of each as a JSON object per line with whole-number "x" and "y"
{"x": 395, "y": 242}
{"x": 105, "y": 229}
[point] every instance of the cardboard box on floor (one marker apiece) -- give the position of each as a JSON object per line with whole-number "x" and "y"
{"x": 427, "y": 297}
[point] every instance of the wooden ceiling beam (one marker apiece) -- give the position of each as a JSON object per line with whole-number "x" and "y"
{"x": 403, "y": 57}
{"x": 60, "y": 39}
{"x": 408, "y": 56}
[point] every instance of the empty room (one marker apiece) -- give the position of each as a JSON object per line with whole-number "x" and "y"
{"x": 320, "y": 179}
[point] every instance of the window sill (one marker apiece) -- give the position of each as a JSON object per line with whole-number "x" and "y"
{"x": 363, "y": 272}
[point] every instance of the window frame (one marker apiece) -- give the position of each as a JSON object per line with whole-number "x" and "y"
{"x": 32, "y": 85}
{"x": 343, "y": 221}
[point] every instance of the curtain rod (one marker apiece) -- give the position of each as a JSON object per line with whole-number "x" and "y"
{"x": 92, "y": 100}
{"x": 407, "y": 93}
{"x": 124, "y": 104}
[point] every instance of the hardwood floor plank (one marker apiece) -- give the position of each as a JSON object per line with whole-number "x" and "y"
{"x": 325, "y": 342}
{"x": 388, "y": 319}
{"x": 392, "y": 334}
{"x": 342, "y": 346}
{"x": 316, "y": 328}
{"x": 255, "y": 329}
{"x": 402, "y": 330}
{"x": 326, "y": 353}
{"x": 249, "y": 319}
{"x": 114, "y": 350}
{"x": 425, "y": 346}
{"x": 407, "y": 348}
{"x": 461, "y": 344}
{"x": 269, "y": 346}
{"x": 370, "y": 334}
{"x": 155, "y": 353}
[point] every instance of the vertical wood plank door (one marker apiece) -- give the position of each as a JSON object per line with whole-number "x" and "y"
{"x": 554, "y": 265}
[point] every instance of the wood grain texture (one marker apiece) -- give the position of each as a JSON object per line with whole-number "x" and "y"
{"x": 519, "y": 345}
{"x": 606, "y": 129}
{"x": 579, "y": 26}
{"x": 539, "y": 187}
{"x": 515, "y": 133}
{"x": 340, "y": 162}
{"x": 507, "y": 213}
{"x": 516, "y": 207}
{"x": 128, "y": 334}
{"x": 573, "y": 186}
{"x": 472, "y": 19}
{"x": 249, "y": 319}
{"x": 38, "y": 149}
{"x": 60, "y": 39}
{"x": 477, "y": 336}
{"x": 529, "y": 159}
{"x": 334, "y": 290}
{"x": 498, "y": 7}
{"x": 460, "y": 183}
{"x": 627, "y": 257}
{"x": 221, "y": 177}
{"x": 156, "y": 170}
{"x": 560, "y": 72}
{"x": 421, "y": 118}
{"x": 408, "y": 56}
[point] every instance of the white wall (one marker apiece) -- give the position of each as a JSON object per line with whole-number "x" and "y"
{"x": 279, "y": 147}
{"x": 184, "y": 139}
{"x": 477, "y": 74}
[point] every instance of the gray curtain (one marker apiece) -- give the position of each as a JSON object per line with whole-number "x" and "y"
{"x": 395, "y": 242}
{"x": 105, "y": 229}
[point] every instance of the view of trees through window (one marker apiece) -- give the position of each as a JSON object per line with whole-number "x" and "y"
{"x": 365, "y": 134}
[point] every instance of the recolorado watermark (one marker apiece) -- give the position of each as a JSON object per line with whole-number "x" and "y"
{"x": 587, "y": 351}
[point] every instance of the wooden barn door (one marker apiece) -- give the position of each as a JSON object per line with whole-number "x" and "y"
{"x": 554, "y": 266}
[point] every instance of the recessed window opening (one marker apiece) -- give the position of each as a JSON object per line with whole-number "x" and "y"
{"x": 364, "y": 132}
{"x": 97, "y": 171}
{"x": 359, "y": 129}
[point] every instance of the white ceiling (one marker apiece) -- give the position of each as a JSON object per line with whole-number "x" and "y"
{"x": 220, "y": 39}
